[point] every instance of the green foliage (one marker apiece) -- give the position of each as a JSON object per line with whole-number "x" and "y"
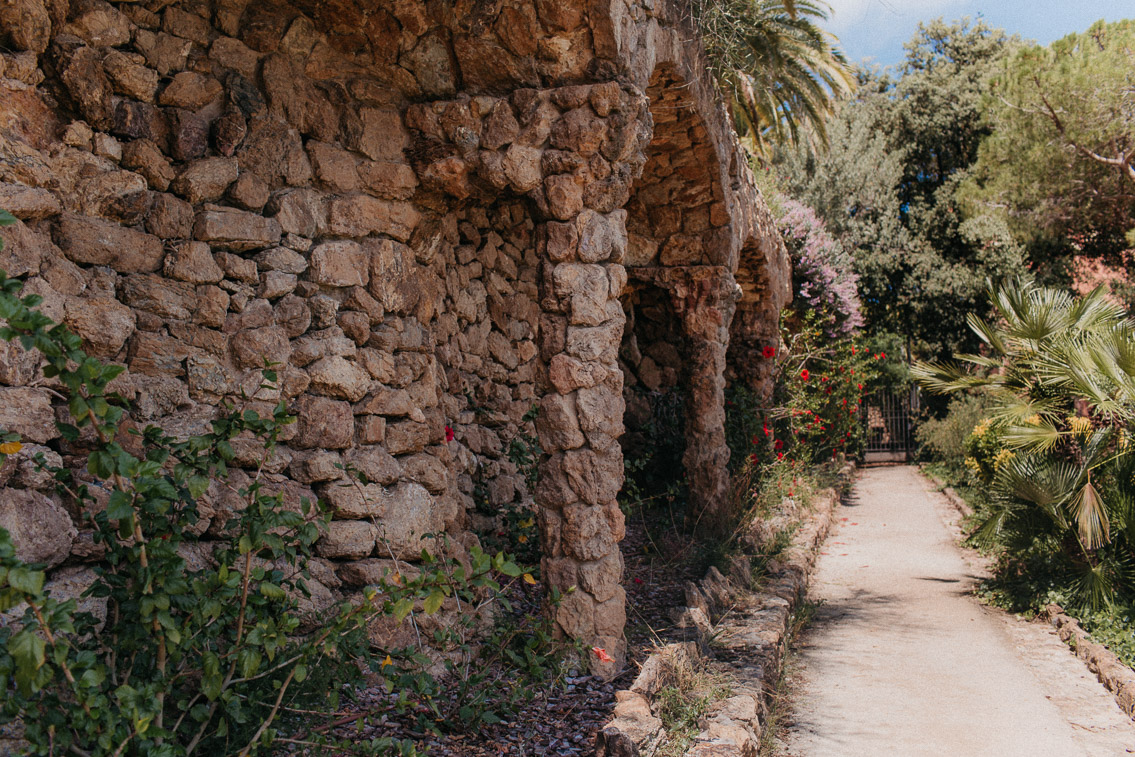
{"x": 888, "y": 188}
{"x": 943, "y": 439}
{"x": 1059, "y": 372}
{"x": 779, "y": 70}
{"x": 215, "y": 658}
{"x": 494, "y": 655}
{"x": 820, "y": 384}
{"x": 1059, "y": 164}
{"x": 682, "y": 706}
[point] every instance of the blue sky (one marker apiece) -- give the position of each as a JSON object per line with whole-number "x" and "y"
{"x": 875, "y": 30}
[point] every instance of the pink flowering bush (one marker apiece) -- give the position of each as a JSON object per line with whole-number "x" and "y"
{"x": 826, "y": 283}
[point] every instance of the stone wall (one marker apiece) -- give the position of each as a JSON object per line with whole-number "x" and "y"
{"x": 425, "y": 213}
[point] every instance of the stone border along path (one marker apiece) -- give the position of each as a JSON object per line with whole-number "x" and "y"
{"x": 744, "y": 643}
{"x": 900, "y": 659}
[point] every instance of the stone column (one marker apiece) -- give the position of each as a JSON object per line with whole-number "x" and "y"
{"x": 581, "y": 419}
{"x": 704, "y": 299}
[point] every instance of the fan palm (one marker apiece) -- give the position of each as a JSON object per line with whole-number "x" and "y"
{"x": 1061, "y": 371}
{"x": 781, "y": 73}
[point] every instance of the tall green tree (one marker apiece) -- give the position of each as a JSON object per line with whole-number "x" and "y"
{"x": 1059, "y": 164}
{"x": 780, "y": 71}
{"x": 887, "y": 188}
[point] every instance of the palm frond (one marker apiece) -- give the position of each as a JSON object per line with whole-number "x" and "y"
{"x": 1041, "y": 438}
{"x": 1090, "y": 514}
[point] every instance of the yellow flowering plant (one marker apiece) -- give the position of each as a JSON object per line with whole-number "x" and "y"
{"x": 1054, "y": 454}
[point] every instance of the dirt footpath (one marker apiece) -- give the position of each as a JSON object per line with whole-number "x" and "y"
{"x": 900, "y": 661}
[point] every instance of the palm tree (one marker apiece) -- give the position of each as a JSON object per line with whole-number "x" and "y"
{"x": 781, "y": 73}
{"x": 1061, "y": 373}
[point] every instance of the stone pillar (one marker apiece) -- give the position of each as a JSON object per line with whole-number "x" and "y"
{"x": 580, "y": 421}
{"x": 704, "y": 299}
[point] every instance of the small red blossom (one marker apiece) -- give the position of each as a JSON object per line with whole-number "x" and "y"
{"x": 638, "y": 580}
{"x": 448, "y": 434}
{"x": 767, "y": 432}
{"x": 602, "y": 654}
{"x": 852, "y": 350}
{"x": 779, "y": 444}
{"x": 804, "y": 374}
{"x": 779, "y": 455}
{"x": 769, "y": 351}
{"x": 823, "y": 379}
{"x": 753, "y": 458}
{"x": 883, "y": 355}
{"x": 860, "y": 387}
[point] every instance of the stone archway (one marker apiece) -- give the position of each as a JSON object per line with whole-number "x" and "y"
{"x": 679, "y": 240}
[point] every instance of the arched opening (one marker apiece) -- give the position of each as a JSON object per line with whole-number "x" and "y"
{"x": 678, "y": 303}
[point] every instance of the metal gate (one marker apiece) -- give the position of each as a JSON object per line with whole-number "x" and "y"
{"x": 888, "y": 420}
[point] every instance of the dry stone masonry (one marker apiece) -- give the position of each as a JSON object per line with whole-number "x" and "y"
{"x": 433, "y": 216}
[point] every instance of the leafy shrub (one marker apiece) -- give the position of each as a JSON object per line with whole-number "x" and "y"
{"x": 210, "y": 658}
{"x": 943, "y": 439}
{"x": 1060, "y": 377}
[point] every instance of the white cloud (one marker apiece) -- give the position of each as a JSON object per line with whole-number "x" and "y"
{"x": 847, "y": 14}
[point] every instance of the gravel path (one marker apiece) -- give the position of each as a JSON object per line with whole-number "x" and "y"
{"x": 901, "y": 660}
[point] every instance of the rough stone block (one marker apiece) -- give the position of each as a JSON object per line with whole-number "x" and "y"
{"x": 27, "y": 412}
{"x": 335, "y": 376}
{"x": 323, "y": 422}
{"x": 103, "y": 323}
{"x": 237, "y": 230}
{"x": 347, "y": 540}
{"x": 340, "y": 264}
{"x": 96, "y": 242}
{"x": 192, "y": 262}
{"x": 206, "y": 180}
{"x": 41, "y": 530}
{"x": 360, "y": 215}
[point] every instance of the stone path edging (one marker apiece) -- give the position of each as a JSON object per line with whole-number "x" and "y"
{"x": 748, "y": 640}
{"x": 1111, "y": 672}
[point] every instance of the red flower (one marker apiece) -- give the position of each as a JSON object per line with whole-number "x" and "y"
{"x": 448, "y": 434}
{"x": 765, "y": 427}
{"x": 779, "y": 455}
{"x": 753, "y": 458}
{"x": 883, "y": 355}
{"x": 638, "y": 580}
{"x": 852, "y": 350}
{"x": 860, "y": 387}
{"x": 602, "y": 654}
{"x": 755, "y": 440}
{"x": 779, "y": 444}
{"x": 804, "y": 374}
{"x": 769, "y": 351}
